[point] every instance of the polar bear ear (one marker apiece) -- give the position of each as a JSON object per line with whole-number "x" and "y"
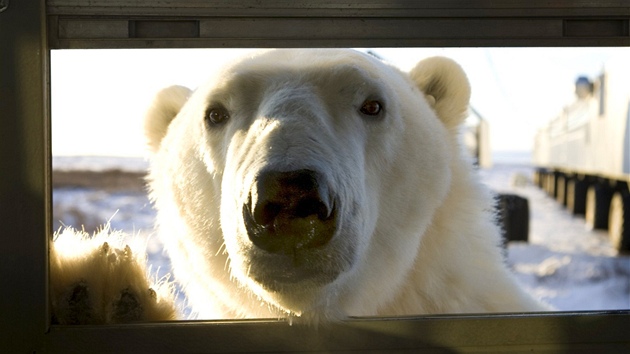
{"x": 445, "y": 86}
{"x": 165, "y": 106}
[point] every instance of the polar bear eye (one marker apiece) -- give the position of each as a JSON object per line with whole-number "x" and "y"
{"x": 217, "y": 115}
{"x": 371, "y": 108}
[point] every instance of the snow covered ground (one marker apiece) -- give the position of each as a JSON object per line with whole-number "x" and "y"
{"x": 563, "y": 263}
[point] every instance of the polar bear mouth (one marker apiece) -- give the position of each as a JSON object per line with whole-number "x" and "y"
{"x": 280, "y": 277}
{"x": 289, "y": 212}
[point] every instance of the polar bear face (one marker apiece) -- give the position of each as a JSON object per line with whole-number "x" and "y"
{"x": 303, "y": 178}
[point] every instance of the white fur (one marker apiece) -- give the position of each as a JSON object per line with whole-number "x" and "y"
{"x": 417, "y": 234}
{"x": 165, "y": 106}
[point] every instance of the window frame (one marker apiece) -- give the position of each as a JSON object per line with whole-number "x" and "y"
{"x": 29, "y": 29}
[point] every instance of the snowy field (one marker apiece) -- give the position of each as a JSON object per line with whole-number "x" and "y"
{"x": 563, "y": 263}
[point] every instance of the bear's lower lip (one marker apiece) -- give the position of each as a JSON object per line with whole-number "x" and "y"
{"x": 279, "y": 281}
{"x": 278, "y": 272}
{"x": 292, "y": 276}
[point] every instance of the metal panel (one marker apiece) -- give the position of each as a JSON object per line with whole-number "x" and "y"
{"x": 596, "y": 28}
{"x": 93, "y": 29}
{"x": 334, "y": 32}
{"x": 25, "y": 166}
{"x": 569, "y": 333}
{"x": 350, "y": 8}
{"x": 370, "y": 23}
{"x": 24, "y": 176}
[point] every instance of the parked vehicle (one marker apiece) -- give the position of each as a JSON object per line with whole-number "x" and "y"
{"x": 582, "y": 156}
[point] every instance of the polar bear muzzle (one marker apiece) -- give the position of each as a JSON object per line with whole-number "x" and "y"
{"x": 289, "y": 211}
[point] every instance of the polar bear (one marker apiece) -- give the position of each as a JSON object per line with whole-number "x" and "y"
{"x": 321, "y": 184}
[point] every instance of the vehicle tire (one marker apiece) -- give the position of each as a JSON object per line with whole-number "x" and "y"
{"x": 561, "y": 189}
{"x": 551, "y": 184}
{"x": 513, "y": 212}
{"x": 598, "y": 206}
{"x": 545, "y": 182}
{"x": 576, "y": 196}
{"x": 539, "y": 179}
{"x": 619, "y": 222}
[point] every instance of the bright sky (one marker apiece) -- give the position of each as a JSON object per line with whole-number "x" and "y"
{"x": 99, "y": 96}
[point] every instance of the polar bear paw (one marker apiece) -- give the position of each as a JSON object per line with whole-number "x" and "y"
{"x": 98, "y": 280}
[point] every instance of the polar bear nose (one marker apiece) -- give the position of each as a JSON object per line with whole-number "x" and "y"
{"x": 288, "y": 211}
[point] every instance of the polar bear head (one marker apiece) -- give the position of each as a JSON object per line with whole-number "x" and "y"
{"x": 302, "y": 181}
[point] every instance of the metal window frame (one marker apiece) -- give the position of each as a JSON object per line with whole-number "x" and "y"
{"x": 30, "y": 28}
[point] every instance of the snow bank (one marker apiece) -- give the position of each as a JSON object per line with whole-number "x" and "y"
{"x": 564, "y": 263}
